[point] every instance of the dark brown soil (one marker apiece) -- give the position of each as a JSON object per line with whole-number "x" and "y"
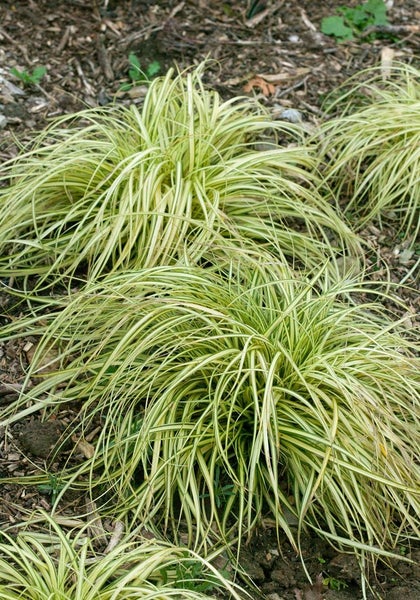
{"x": 278, "y": 54}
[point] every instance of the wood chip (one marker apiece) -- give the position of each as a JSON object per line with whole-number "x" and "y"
{"x": 387, "y": 56}
{"x": 104, "y": 61}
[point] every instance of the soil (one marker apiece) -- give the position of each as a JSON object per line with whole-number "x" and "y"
{"x": 270, "y": 49}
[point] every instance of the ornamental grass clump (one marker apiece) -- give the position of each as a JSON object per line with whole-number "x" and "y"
{"x": 371, "y": 151}
{"x": 67, "y": 565}
{"x": 122, "y": 187}
{"x": 226, "y": 400}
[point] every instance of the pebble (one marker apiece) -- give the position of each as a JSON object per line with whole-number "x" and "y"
{"x": 292, "y": 115}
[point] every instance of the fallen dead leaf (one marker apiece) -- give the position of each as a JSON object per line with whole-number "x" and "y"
{"x": 116, "y": 536}
{"x": 87, "y": 449}
{"x": 405, "y": 256}
{"x": 306, "y": 20}
{"x": 258, "y": 82}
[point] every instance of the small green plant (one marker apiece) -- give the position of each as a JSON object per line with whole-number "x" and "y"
{"x": 28, "y": 78}
{"x": 52, "y": 488}
{"x": 190, "y": 574}
{"x": 354, "y": 20}
{"x": 137, "y": 74}
{"x": 221, "y": 492}
{"x": 254, "y": 7}
{"x": 331, "y": 582}
{"x": 334, "y": 584}
{"x": 335, "y": 26}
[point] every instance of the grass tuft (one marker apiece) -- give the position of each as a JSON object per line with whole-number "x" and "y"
{"x": 39, "y": 565}
{"x": 226, "y": 400}
{"x": 372, "y": 150}
{"x": 119, "y": 188}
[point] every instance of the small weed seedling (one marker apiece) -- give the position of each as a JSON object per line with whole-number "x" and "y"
{"x": 334, "y": 584}
{"x": 53, "y": 488}
{"x": 28, "y": 78}
{"x": 221, "y": 492}
{"x": 355, "y": 20}
{"x": 138, "y": 75}
{"x": 331, "y": 582}
{"x": 190, "y": 575}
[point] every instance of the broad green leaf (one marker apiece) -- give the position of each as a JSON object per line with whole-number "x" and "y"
{"x": 38, "y": 73}
{"x": 377, "y": 8}
{"x": 153, "y": 68}
{"x": 335, "y": 26}
{"x": 134, "y": 61}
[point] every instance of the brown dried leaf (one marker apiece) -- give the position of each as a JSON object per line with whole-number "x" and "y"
{"x": 95, "y": 527}
{"x": 116, "y": 536}
{"x": 88, "y": 450}
{"x": 266, "y": 88}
